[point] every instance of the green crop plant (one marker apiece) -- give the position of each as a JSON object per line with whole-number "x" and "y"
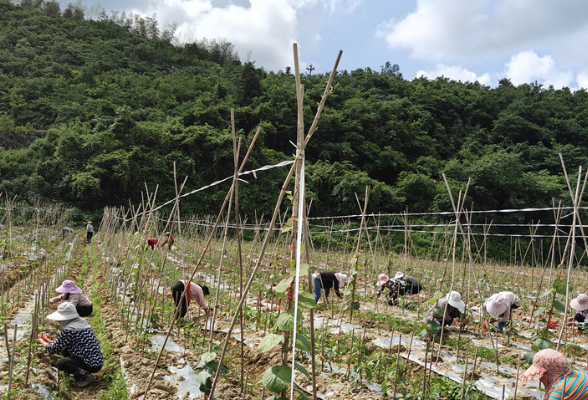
{"x": 278, "y": 377}
{"x": 541, "y": 332}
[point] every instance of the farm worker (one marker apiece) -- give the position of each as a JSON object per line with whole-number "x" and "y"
{"x": 73, "y": 294}
{"x": 398, "y": 286}
{"x": 561, "y": 383}
{"x": 169, "y": 241}
{"x": 455, "y": 306}
{"x": 501, "y": 304}
{"x": 580, "y": 305}
{"x": 328, "y": 280}
{"x": 89, "y": 232}
{"x": 195, "y": 291}
{"x": 77, "y": 343}
{"x": 66, "y": 231}
{"x": 152, "y": 242}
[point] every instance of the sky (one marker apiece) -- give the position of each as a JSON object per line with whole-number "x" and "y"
{"x": 525, "y": 41}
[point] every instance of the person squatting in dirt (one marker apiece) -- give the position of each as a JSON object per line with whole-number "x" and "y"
{"x": 580, "y": 305}
{"x": 195, "y": 292}
{"x": 89, "y": 232}
{"x": 77, "y": 343}
{"x": 328, "y": 280}
{"x": 560, "y": 381}
{"x": 501, "y": 305}
{"x": 69, "y": 292}
{"x": 400, "y": 285}
{"x": 66, "y": 231}
{"x": 455, "y": 307}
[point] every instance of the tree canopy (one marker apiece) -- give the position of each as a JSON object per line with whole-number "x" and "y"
{"x": 94, "y": 109}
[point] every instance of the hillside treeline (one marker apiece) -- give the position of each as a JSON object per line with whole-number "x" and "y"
{"x": 94, "y": 110}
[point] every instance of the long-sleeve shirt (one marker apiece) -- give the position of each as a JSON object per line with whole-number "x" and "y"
{"x": 77, "y": 299}
{"x": 513, "y": 300}
{"x": 330, "y": 280}
{"x": 81, "y": 343}
{"x": 396, "y": 287}
{"x": 576, "y": 387}
{"x": 195, "y": 293}
{"x": 450, "y": 315}
{"x": 90, "y": 228}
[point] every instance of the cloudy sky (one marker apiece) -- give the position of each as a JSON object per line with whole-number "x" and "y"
{"x": 466, "y": 40}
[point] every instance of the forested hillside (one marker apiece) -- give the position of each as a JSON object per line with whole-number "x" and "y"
{"x": 92, "y": 109}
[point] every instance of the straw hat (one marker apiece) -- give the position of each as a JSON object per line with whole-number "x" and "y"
{"x": 580, "y": 303}
{"x": 65, "y": 312}
{"x": 497, "y": 304}
{"x": 454, "y": 300}
{"x": 383, "y": 279}
{"x": 399, "y": 275}
{"x": 68, "y": 287}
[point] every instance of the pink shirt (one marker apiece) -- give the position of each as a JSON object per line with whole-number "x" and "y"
{"x": 195, "y": 293}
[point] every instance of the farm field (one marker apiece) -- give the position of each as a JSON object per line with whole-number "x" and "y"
{"x": 363, "y": 347}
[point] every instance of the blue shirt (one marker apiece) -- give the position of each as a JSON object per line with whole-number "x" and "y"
{"x": 82, "y": 343}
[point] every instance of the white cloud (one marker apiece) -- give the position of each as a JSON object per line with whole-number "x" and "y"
{"x": 262, "y": 30}
{"x": 456, "y": 73}
{"x": 527, "y": 67}
{"x": 457, "y": 30}
{"x": 582, "y": 80}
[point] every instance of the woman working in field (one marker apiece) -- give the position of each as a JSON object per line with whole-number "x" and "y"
{"x": 398, "y": 286}
{"x": 77, "y": 343}
{"x": 580, "y": 305}
{"x": 328, "y": 280}
{"x": 447, "y": 310}
{"x": 196, "y": 292}
{"x": 501, "y": 305}
{"x": 561, "y": 383}
{"x": 69, "y": 292}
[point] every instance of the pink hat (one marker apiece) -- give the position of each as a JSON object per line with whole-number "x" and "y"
{"x": 68, "y": 287}
{"x": 383, "y": 279}
{"x": 580, "y": 303}
{"x": 497, "y": 304}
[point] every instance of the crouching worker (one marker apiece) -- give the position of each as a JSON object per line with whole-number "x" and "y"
{"x": 328, "y": 280}
{"x": 501, "y": 305}
{"x": 396, "y": 287}
{"x": 77, "y": 343}
{"x": 560, "y": 381}
{"x": 194, "y": 292}
{"x": 69, "y": 292}
{"x": 151, "y": 242}
{"x": 580, "y": 305}
{"x": 451, "y": 306}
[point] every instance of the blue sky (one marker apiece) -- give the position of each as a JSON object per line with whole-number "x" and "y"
{"x": 466, "y": 40}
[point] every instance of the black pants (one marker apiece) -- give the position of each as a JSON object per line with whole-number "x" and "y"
{"x": 84, "y": 311}
{"x": 89, "y": 236}
{"x": 70, "y": 364}
{"x": 579, "y": 317}
{"x": 177, "y": 290}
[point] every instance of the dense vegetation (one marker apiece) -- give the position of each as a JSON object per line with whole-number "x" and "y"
{"x": 91, "y": 109}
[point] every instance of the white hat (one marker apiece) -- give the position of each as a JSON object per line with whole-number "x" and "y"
{"x": 399, "y": 275}
{"x": 65, "y": 312}
{"x": 497, "y": 304}
{"x": 580, "y": 303}
{"x": 454, "y": 300}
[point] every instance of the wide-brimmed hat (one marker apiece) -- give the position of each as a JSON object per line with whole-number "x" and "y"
{"x": 580, "y": 303}
{"x": 65, "y": 312}
{"x": 383, "y": 279}
{"x": 399, "y": 275}
{"x": 497, "y": 304}
{"x": 68, "y": 287}
{"x": 454, "y": 300}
